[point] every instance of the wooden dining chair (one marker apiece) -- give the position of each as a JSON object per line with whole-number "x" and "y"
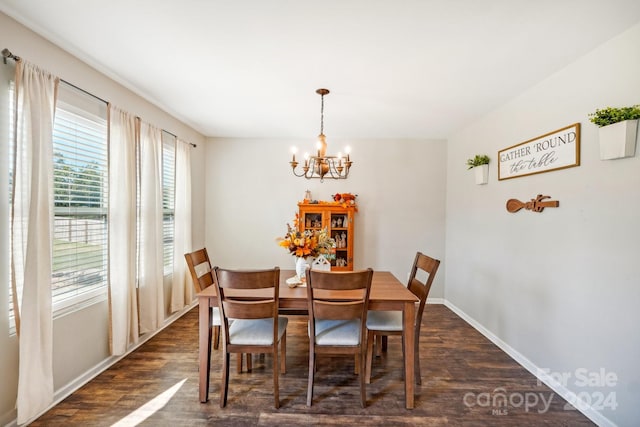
{"x": 250, "y": 298}
{"x": 200, "y": 268}
{"x": 202, "y": 275}
{"x": 338, "y": 303}
{"x": 381, "y": 324}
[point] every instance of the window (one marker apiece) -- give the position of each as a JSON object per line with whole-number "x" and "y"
{"x": 80, "y": 198}
{"x": 80, "y": 186}
{"x": 168, "y": 198}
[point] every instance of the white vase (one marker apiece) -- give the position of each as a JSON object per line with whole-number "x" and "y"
{"x": 301, "y": 267}
{"x": 618, "y": 140}
{"x": 482, "y": 174}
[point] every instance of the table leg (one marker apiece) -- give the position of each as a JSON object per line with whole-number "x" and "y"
{"x": 204, "y": 352}
{"x": 409, "y": 352}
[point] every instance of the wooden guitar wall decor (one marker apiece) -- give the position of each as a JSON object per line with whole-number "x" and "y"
{"x": 534, "y": 205}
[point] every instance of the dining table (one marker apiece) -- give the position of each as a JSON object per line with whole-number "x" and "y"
{"x": 387, "y": 293}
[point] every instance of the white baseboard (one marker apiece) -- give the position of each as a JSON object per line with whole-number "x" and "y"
{"x": 539, "y": 373}
{"x": 65, "y": 391}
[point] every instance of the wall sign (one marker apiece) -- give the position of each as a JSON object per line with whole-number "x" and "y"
{"x": 555, "y": 150}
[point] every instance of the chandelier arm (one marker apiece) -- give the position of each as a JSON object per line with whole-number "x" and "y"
{"x": 299, "y": 175}
{"x": 296, "y": 174}
{"x": 332, "y": 169}
{"x": 305, "y": 169}
{"x": 337, "y": 169}
{"x": 310, "y": 171}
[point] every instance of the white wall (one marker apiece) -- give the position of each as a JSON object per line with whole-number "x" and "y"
{"x": 80, "y": 338}
{"x": 252, "y": 194}
{"x": 560, "y": 287}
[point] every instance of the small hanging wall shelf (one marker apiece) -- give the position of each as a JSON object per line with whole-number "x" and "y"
{"x": 534, "y": 205}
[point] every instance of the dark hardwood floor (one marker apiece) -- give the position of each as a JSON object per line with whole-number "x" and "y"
{"x": 466, "y": 381}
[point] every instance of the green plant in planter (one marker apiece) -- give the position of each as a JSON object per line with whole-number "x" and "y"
{"x": 611, "y": 115}
{"x": 478, "y": 160}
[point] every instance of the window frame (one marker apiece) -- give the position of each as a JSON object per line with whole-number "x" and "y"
{"x": 87, "y": 109}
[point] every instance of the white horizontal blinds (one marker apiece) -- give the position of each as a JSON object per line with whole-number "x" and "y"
{"x": 168, "y": 199}
{"x": 80, "y": 194}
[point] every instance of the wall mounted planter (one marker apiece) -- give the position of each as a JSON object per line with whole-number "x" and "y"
{"x": 618, "y": 140}
{"x": 482, "y": 174}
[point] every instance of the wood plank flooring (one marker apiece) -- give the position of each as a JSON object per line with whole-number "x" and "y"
{"x": 464, "y": 377}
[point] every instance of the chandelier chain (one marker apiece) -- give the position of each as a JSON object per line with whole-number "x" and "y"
{"x": 322, "y": 114}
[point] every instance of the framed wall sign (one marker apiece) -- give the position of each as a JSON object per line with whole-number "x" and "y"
{"x": 555, "y": 150}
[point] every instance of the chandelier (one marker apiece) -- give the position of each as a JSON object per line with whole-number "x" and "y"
{"x": 322, "y": 166}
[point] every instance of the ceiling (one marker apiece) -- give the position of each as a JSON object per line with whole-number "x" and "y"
{"x": 395, "y": 69}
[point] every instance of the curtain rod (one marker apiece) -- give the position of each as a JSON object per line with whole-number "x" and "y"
{"x": 176, "y": 137}
{"x": 6, "y": 53}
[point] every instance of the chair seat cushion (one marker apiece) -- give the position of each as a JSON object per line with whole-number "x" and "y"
{"x": 338, "y": 332}
{"x": 255, "y": 331}
{"x": 384, "y": 320}
{"x": 215, "y": 316}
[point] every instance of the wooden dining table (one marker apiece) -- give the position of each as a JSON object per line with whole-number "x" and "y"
{"x": 387, "y": 293}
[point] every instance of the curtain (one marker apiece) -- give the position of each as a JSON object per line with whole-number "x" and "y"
{"x": 182, "y": 289}
{"x": 31, "y": 235}
{"x": 123, "y": 303}
{"x": 150, "y": 264}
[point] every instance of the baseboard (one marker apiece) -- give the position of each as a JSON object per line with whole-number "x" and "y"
{"x": 65, "y": 391}
{"x": 435, "y": 300}
{"x": 539, "y": 373}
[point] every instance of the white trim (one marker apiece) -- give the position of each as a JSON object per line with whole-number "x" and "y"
{"x": 69, "y": 305}
{"x": 538, "y": 372}
{"x": 65, "y": 391}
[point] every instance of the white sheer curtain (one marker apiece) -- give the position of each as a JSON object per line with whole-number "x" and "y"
{"x": 31, "y": 236}
{"x": 150, "y": 267}
{"x": 123, "y": 303}
{"x": 182, "y": 289}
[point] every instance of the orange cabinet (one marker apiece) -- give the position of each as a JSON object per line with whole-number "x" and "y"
{"x": 339, "y": 222}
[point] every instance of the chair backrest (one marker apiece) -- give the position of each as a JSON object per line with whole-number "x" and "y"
{"x": 342, "y": 295}
{"x": 247, "y": 294}
{"x": 200, "y": 269}
{"x": 422, "y": 264}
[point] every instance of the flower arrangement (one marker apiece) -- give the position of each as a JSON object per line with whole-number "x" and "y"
{"x": 307, "y": 243}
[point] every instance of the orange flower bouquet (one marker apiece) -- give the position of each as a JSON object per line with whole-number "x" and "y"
{"x": 307, "y": 243}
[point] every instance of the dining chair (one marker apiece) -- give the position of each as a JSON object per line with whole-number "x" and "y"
{"x": 338, "y": 303}
{"x": 201, "y": 274}
{"x": 250, "y": 298}
{"x": 200, "y": 268}
{"x": 381, "y": 324}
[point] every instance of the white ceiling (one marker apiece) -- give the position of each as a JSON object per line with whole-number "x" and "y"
{"x": 395, "y": 68}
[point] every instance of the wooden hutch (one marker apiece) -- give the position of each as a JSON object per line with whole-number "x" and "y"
{"x": 337, "y": 218}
